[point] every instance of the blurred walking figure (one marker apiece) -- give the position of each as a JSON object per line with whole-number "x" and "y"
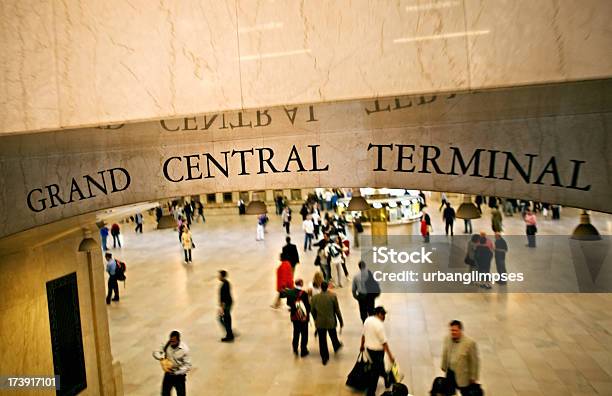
{"x": 104, "y": 237}
{"x": 449, "y": 218}
{"x": 530, "y": 228}
{"x": 308, "y": 227}
{"x": 284, "y": 280}
{"x": 374, "y": 340}
{"x": 286, "y": 216}
{"x": 176, "y": 363}
{"x": 479, "y": 201}
{"x": 467, "y": 224}
{"x": 299, "y": 313}
{"x": 496, "y": 220}
{"x": 138, "y": 220}
{"x": 483, "y": 256}
{"x": 426, "y": 227}
{"x": 326, "y": 313}
{"x": 225, "y": 307}
{"x": 444, "y": 200}
{"x": 335, "y": 253}
{"x": 460, "y": 360}
{"x": 187, "y": 242}
{"x": 261, "y": 223}
{"x": 291, "y": 253}
{"x": 365, "y": 290}
{"x": 115, "y": 232}
{"x": 501, "y": 248}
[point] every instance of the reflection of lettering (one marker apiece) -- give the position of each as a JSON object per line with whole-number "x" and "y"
{"x": 53, "y": 195}
{"x": 401, "y": 103}
{"x": 257, "y": 119}
{"x": 191, "y": 167}
{"x": 531, "y": 168}
{"x": 118, "y": 126}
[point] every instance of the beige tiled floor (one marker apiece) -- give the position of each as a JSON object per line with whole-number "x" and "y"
{"x": 530, "y": 344}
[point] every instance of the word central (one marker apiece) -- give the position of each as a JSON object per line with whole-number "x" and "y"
{"x": 205, "y": 166}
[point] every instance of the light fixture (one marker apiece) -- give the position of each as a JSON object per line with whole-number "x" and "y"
{"x": 585, "y": 231}
{"x": 467, "y": 210}
{"x": 256, "y": 206}
{"x": 88, "y": 243}
{"x": 269, "y": 55}
{"x": 357, "y": 202}
{"x": 440, "y": 36}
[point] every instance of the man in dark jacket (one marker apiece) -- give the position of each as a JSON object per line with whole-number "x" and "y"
{"x": 297, "y": 300}
{"x": 325, "y": 310}
{"x": 225, "y": 306}
{"x": 290, "y": 253}
{"x": 449, "y": 218}
{"x": 365, "y": 290}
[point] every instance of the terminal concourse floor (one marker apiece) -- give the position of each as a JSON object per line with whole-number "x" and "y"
{"x": 530, "y": 344}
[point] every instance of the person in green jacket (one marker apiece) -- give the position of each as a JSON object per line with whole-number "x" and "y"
{"x": 325, "y": 310}
{"x": 496, "y": 220}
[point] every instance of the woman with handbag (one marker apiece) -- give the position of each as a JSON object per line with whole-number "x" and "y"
{"x": 187, "y": 242}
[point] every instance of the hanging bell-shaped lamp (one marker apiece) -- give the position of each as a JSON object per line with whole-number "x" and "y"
{"x": 357, "y": 202}
{"x": 467, "y": 210}
{"x": 585, "y": 231}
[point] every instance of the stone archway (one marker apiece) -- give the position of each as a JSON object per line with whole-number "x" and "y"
{"x": 546, "y": 143}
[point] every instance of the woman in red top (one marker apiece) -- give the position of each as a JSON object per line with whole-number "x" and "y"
{"x": 530, "y": 228}
{"x": 284, "y": 280}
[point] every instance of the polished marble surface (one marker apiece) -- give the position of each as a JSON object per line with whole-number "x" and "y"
{"x": 530, "y": 344}
{"x": 80, "y": 63}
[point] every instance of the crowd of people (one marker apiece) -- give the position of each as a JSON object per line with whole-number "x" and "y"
{"x": 314, "y": 308}
{"x": 527, "y": 209}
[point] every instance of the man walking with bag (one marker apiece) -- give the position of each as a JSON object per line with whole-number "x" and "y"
{"x": 176, "y": 363}
{"x": 374, "y": 341}
{"x": 365, "y": 290}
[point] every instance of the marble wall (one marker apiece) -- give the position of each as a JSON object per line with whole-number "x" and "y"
{"x": 548, "y": 143}
{"x": 81, "y": 63}
{"x": 27, "y": 262}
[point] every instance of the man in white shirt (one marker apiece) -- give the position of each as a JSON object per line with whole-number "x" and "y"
{"x": 308, "y": 228}
{"x": 374, "y": 340}
{"x": 176, "y": 365}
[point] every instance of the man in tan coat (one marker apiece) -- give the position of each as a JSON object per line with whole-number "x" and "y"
{"x": 325, "y": 310}
{"x": 460, "y": 358}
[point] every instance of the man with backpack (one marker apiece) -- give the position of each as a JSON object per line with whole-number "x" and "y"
{"x": 116, "y": 272}
{"x": 297, "y": 300}
{"x": 365, "y": 290}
